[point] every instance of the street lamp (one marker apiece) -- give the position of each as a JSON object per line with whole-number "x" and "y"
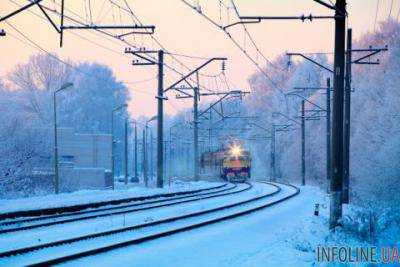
{"x": 112, "y": 142}
{"x": 56, "y": 176}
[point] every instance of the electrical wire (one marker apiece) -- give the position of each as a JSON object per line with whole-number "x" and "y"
{"x": 162, "y": 47}
{"x": 76, "y": 34}
{"x": 114, "y": 38}
{"x": 251, "y": 38}
{"x": 264, "y": 73}
{"x": 104, "y": 47}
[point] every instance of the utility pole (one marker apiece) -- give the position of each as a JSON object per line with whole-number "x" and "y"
{"x": 165, "y": 156}
{"x": 337, "y": 120}
{"x": 188, "y": 156}
{"x": 328, "y": 129}
{"x": 346, "y": 140}
{"x": 147, "y": 60}
{"x": 210, "y": 133}
{"x": 303, "y": 144}
{"x": 56, "y": 175}
{"x": 196, "y": 128}
{"x": 347, "y": 104}
{"x": 113, "y": 143}
{"x": 273, "y": 146}
{"x": 273, "y": 170}
{"x": 328, "y": 121}
{"x": 136, "y": 155}
{"x": 151, "y": 156}
{"x": 171, "y": 154}
{"x": 160, "y": 120}
{"x": 144, "y": 159}
{"x": 126, "y": 152}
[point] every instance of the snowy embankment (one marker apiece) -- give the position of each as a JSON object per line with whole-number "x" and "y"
{"x": 94, "y": 196}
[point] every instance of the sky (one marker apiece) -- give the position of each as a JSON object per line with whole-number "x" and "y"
{"x": 183, "y": 32}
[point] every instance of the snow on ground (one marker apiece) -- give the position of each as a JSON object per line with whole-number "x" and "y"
{"x": 59, "y": 232}
{"x": 92, "y": 196}
{"x": 286, "y": 234}
{"x": 76, "y": 228}
{"x": 283, "y": 235}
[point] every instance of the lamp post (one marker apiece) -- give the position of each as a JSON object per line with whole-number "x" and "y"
{"x": 113, "y": 141}
{"x": 56, "y": 176}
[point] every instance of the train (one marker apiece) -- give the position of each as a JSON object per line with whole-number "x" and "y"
{"x": 232, "y": 163}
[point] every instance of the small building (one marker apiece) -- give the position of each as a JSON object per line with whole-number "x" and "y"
{"x": 84, "y": 160}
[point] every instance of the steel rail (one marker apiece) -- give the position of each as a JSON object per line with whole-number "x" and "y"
{"x": 107, "y": 248}
{"x": 24, "y": 250}
{"x": 19, "y": 221}
{"x": 74, "y": 208}
{"x": 95, "y": 216}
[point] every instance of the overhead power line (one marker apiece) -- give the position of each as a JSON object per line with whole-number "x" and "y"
{"x": 110, "y": 35}
{"x": 251, "y": 38}
{"x": 262, "y": 71}
{"x": 135, "y": 18}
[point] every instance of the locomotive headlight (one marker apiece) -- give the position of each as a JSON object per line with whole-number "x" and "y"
{"x": 236, "y": 151}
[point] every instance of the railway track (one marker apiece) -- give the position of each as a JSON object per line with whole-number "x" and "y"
{"x": 110, "y": 211}
{"x": 80, "y": 207}
{"x": 204, "y": 196}
{"x": 106, "y": 241}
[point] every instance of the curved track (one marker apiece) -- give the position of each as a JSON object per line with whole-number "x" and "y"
{"x": 233, "y": 210}
{"x": 103, "y": 212}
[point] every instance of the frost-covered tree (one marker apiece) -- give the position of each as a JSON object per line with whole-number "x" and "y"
{"x": 26, "y": 104}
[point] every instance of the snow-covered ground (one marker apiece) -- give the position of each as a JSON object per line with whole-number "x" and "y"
{"x": 286, "y": 234}
{"x": 283, "y": 235}
{"x": 45, "y": 235}
{"x": 92, "y": 196}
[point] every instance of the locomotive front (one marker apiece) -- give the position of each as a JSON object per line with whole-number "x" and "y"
{"x": 236, "y": 164}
